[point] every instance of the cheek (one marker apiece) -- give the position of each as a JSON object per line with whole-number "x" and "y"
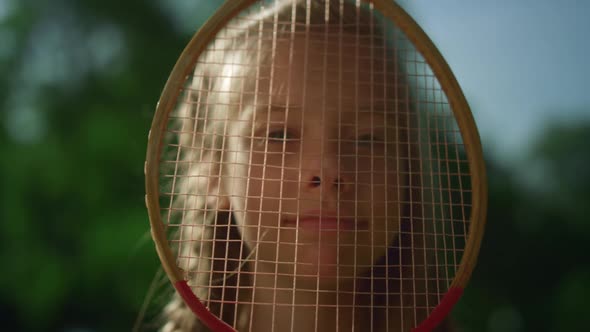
{"x": 377, "y": 179}
{"x": 263, "y": 178}
{"x": 379, "y": 195}
{"x": 255, "y": 192}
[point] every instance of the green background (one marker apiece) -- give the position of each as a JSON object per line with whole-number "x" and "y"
{"x": 78, "y": 86}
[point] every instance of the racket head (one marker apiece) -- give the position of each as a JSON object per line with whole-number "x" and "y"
{"x": 468, "y": 162}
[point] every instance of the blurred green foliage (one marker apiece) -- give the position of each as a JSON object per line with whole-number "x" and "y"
{"x": 79, "y": 83}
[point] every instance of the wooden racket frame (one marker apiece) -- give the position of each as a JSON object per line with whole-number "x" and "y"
{"x": 432, "y": 56}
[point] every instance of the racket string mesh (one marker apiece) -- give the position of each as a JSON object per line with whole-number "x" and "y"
{"x": 313, "y": 167}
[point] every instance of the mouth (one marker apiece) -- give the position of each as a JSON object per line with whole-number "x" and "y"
{"x": 325, "y": 221}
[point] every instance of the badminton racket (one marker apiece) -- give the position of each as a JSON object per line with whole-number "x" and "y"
{"x": 314, "y": 165}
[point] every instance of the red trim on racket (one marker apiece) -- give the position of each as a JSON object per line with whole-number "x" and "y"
{"x": 206, "y": 317}
{"x": 441, "y": 311}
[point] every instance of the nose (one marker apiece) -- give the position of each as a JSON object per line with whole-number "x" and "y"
{"x": 327, "y": 182}
{"x": 324, "y": 172}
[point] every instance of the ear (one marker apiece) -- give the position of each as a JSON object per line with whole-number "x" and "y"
{"x": 217, "y": 198}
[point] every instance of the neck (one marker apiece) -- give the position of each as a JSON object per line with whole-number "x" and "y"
{"x": 283, "y": 305}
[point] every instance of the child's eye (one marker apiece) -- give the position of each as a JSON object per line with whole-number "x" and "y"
{"x": 278, "y": 135}
{"x": 369, "y": 138}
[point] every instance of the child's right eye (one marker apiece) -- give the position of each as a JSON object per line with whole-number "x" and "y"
{"x": 278, "y": 136}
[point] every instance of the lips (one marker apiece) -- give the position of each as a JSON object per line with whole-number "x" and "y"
{"x": 316, "y": 220}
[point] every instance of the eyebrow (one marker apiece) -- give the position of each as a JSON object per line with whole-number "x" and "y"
{"x": 263, "y": 110}
{"x": 376, "y": 111}
{"x": 366, "y": 112}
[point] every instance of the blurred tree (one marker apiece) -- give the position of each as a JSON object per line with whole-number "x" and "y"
{"x": 533, "y": 261}
{"x": 79, "y": 83}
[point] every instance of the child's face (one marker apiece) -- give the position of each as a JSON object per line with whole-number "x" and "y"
{"x": 311, "y": 169}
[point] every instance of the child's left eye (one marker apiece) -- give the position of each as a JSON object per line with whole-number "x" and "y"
{"x": 369, "y": 138}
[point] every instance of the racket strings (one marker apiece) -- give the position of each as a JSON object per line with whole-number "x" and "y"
{"x": 405, "y": 168}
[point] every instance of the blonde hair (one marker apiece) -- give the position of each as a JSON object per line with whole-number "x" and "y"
{"x": 213, "y": 243}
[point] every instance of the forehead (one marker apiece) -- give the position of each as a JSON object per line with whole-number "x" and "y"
{"x": 332, "y": 68}
{"x": 332, "y": 55}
